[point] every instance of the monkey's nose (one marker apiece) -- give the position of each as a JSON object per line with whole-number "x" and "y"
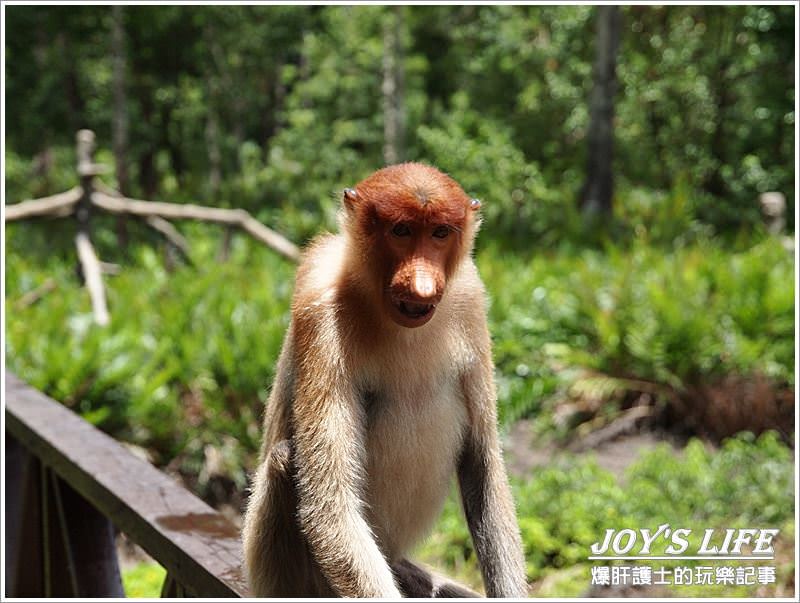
{"x": 424, "y": 286}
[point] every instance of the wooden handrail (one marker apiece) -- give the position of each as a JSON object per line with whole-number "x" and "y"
{"x": 199, "y": 548}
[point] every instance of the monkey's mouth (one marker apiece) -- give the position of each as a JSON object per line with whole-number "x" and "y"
{"x": 411, "y": 314}
{"x": 414, "y": 310}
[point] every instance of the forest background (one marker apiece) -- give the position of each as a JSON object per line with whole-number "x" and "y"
{"x": 661, "y": 307}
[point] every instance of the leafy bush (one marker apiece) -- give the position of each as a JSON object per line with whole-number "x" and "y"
{"x": 189, "y": 355}
{"x": 589, "y": 324}
{"x": 566, "y": 506}
{"x": 517, "y": 203}
{"x": 186, "y": 361}
{"x": 143, "y": 580}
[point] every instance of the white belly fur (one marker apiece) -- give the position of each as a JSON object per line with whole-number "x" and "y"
{"x": 414, "y": 438}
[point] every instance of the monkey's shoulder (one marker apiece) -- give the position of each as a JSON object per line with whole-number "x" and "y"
{"x": 468, "y": 300}
{"x": 320, "y": 264}
{"x": 317, "y": 278}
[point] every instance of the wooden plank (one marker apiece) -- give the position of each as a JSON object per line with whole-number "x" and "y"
{"x": 89, "y": 546}
{"x": 59, "y": 572}
{"x": 197, "y": 545}
{"x": 23, "y": 536}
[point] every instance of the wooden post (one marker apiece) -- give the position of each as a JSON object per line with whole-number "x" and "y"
{"x": 773, "y": 206}
{"x": 57, "y": 544}
{"x": 88, "y": 543}
{"x": 24, "y": 562}
{"x": 195, "y": 544}
{"x": 90, "y": 265}
{"x": 225, "y": 247}
{"x": 172, "y": 589}
{"x": 59, "y": 571}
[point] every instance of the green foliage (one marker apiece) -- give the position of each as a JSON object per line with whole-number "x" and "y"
{"x": 190, "y": 354}
{"x": 286, "y": 104}
{"x": 566, "y": 506}
{"x": 704, "y": 93}
{"x": 143, "y": 581}
{"x": 52, "y": 171}
{"x": 675, "y": 318}
{"x": 516, "y": 200}
{"x": 530, "y": 68}
{"x": 750, "y": 481}
{"x": 187, "y": 359}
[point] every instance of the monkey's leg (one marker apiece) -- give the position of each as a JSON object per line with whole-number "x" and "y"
{"x": 277, "y": 558}
{"x": 417, "y": 582}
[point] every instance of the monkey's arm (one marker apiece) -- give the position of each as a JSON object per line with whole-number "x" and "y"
{"x": 329, "y": 456}
{"x": 486, "y": 495}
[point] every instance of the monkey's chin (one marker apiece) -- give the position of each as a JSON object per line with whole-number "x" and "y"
{"x": 410, "y": 314}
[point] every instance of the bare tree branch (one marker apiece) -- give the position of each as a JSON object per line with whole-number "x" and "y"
{"x": 622, "y": 424}
{"x": 34, "y": 295}
{"x": 109, "y": 268}
{"x": 160, "y": 225}
{"x": 179, "y": 211}
{"x": 92, "y": 274}
{"x": 170, "y": 233}
{"x": 54, "y": 204}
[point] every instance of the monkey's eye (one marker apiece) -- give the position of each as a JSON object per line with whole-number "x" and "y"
{"x": 401, "y": 230}
{"x": 441, "y": 232}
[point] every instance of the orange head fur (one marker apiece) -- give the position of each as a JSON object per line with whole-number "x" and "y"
{"x": 409, "y": 226}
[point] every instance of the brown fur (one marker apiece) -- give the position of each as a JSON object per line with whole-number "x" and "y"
{"x": 379, "y": 417}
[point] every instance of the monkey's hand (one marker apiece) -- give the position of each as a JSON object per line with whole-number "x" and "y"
{"x": 329, "y": 456}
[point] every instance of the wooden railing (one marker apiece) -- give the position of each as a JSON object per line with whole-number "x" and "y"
{"x": 67, "y": 486}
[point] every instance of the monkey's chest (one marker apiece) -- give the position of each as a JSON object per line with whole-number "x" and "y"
{"x": 413, "y": 441}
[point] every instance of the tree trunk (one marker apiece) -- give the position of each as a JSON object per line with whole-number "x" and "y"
{"x": 723, "y": 24}
{"x": 216, "y": 78}
{"x": 599, "y": 185}
{"x": 120, "y": 115}
{"x": 213, "y": 146}
{"x": 304, "y": 71}
{"x": 71, "y": 83}
{"x": 393, "y": 103}
{"x": 272, "y": 120}
{"x": 148, "y": 176}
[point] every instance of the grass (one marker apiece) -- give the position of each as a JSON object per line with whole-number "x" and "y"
{"x": 143, "y": 581}
{"x": 601, "y": 327}
{"x": 700, "y": 328}
{"x": 565, "y": 507}
{"x": 189, "y": 355}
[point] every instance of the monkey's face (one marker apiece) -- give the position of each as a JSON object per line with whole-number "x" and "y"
{"x": 420, "y": 256}
{"x": 412, "y": 225}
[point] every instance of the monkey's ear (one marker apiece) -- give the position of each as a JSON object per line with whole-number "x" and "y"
{"x": 474, "y": 204}
{"x": 349, "y": 196}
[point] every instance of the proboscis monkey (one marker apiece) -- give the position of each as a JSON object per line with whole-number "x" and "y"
{"x": 384, "y": 390}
